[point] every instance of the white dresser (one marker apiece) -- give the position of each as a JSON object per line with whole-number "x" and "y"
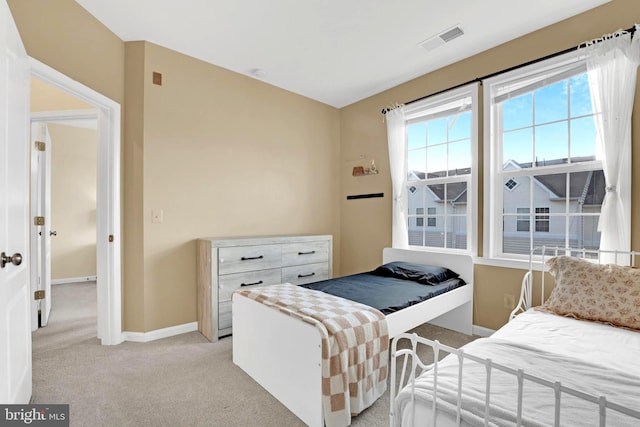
{"x": 228, "y": 264}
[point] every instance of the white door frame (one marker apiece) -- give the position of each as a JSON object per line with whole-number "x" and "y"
{"x": 108, "y": 242}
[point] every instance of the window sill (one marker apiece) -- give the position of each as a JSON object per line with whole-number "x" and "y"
{"x": 507, "y": 263}
{"x": 440, "y": 250}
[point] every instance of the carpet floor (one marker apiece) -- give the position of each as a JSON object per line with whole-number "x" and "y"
{"x": 178, "y": 381}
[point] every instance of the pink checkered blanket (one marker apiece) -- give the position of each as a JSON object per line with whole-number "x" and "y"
{"x": 355, "y": 346}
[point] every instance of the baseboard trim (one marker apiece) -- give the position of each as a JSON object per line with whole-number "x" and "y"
{"x": 482, "y": 331}
{"x": 160, "y": 333}
{"x": 193, "y": 326}
{"x": 74, "y": 280}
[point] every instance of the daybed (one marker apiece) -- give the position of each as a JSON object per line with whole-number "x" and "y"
{"x": 571, "y": 362}
{"x": 284, "y": 353}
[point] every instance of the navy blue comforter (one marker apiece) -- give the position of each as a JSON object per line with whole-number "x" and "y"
{"x": 386, "y": 294}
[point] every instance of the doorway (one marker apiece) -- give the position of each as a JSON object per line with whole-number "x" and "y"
{"x": 63, "y": 187}
{"x": 108, "y": 231}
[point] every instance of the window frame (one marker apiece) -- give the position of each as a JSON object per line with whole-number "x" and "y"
{"x": 558, "y": 68}
{"x": 433, "y": 106}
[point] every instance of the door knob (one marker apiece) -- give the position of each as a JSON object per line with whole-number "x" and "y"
{"x": 53, "y": 233}
{"x": 15, "y": 259}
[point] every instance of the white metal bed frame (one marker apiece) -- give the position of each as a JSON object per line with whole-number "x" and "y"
{"x": 417, "y": 367}
{"x": 283, "y": 354}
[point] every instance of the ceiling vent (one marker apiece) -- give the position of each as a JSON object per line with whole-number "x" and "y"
{"x": 442, "y": 38}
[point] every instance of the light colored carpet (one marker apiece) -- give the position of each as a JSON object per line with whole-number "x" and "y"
{"x": 179, "y": 381}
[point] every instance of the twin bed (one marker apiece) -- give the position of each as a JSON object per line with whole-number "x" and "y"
{"x": 283, "y": 353}
{"x": 543, "y": 368}
{"x": 573, "y": 361}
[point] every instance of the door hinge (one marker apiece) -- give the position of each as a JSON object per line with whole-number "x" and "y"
{"x": 38, "y": 220}
{"x": 40, "y": 146}
{"x": 38, "y": 295}
{"x": 110, "y": 238}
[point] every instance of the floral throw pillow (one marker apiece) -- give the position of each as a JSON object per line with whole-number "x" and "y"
{"x": 606, "y": 293}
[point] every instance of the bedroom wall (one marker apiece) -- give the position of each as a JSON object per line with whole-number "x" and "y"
{"x": 223, "y": 155}
{"x": 73, "y": 201}
{"x": 363, "y": 132}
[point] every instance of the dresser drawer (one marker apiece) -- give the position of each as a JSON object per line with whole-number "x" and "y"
{"x": 238, "y": 259}
{"x": 301, "y": 274}
{"x": 304, "y": 253}
{"x": 229, "y": 283}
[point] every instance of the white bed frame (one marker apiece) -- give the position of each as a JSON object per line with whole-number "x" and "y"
{"x": 412, "y": 366}
{"x": 283, "y": 354}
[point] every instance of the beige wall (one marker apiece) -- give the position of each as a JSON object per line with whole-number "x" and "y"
{"x": 362, "y": 131}
{"x": 45, "y": 97}
{"x": 73, "y": 201}
{"x": 133, "y": 240}
{"x": 63, "y": 35}
{"x": 226, "y": 155}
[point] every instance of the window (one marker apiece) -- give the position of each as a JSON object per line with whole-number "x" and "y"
{"x": 431, "y": 219}
{"x": 542, "y": 220}
{"x": 511, "y": 184}
{"x": 441, "y": 134}
{"x": 541, "y": 145}
{"x": 522, "y": 221}
{"x": 419, "y": 219}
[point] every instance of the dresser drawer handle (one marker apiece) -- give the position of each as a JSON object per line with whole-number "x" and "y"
{"x": 252, "y": 284}
{"x": 300, "y": 276}
{"x": 249, "y": 258}
{"x": 307, "y": 253}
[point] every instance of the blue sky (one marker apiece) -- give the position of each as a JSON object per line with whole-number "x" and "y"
{"x": 522, "y": 123}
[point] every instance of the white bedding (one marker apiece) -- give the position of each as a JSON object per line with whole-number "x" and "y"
{"x": 595, "y": 358}
{"x": 593, "y": 342}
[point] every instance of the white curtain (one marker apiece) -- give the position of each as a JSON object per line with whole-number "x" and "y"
{"x": 612, "y": 64}
{"x": 396, "y": 135}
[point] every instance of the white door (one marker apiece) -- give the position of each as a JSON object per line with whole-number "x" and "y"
{"x": 15, "y": 323}
{"x": 40, "y": 234}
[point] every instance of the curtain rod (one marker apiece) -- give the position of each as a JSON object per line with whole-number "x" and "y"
{"x": 631, "y": 30}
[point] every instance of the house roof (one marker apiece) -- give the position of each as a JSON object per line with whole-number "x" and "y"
{"x": 588, "y": 186}
{"x": 456, "y": 191}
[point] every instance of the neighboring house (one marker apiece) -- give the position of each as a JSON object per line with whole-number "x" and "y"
{"x": 435, "y": 216}
{"x": 542, "y": 215}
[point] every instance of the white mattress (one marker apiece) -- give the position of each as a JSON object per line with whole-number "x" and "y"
{"x": 589, "y": 356}
{"x": 593, "y": 342}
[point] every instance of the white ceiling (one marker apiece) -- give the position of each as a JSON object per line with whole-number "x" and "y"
{"x": 336, "y": 52}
